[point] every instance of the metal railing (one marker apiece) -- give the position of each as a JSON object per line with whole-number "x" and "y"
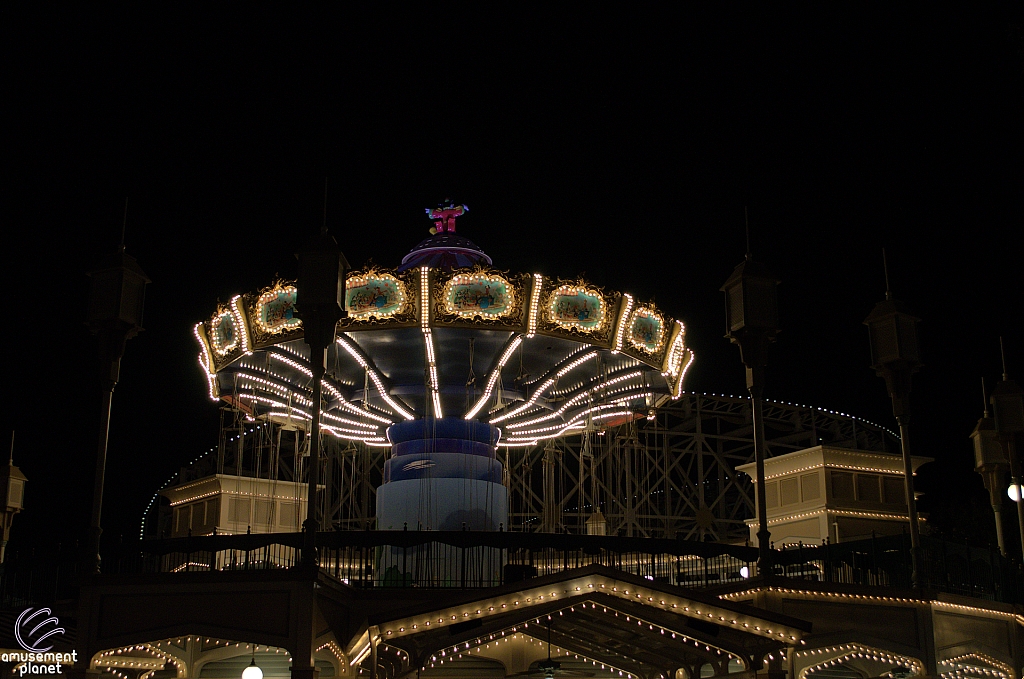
{"x": 467, "y": 559}
{"x": 457, "y": 559}
{"x": 945, "y": 566}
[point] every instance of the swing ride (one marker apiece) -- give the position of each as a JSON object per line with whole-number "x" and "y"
{"x": 459, "y": 396}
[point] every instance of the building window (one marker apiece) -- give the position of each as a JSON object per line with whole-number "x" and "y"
{"x": 212, "y": 512}
{"x": 842, "y": 485}
{"x": 895, "y": 491}
{"x": 790, "y": 491}
{"x": 810, "y": 486}
{"x": 868, "y": 488}
{"x": 264, "y": 512}
{"x": 289, "y": 515}
{"x": 238, "y": 510}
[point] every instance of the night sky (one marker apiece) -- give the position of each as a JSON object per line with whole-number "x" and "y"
{"x": 621, "y": 146}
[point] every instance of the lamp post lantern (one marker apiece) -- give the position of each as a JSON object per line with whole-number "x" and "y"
{"x": 990, "y": 461}
{"x": 892, "y": 333}
{"x": 751, "y": 313}
{"x": 12, "y": 497}
{"x": 116, "y": 297}
{"x": 319, "y": 302}
{"x": 252, "y": 671}
{"x": 1008, "y": 410}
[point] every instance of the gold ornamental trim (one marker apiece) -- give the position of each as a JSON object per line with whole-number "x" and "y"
{"x": 576, "y": 309}
{"x": 478, "y": 296}
{"x": 390, "y": 303}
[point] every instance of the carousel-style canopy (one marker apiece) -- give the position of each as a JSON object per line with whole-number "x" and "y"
{"x": 537, "y": 357}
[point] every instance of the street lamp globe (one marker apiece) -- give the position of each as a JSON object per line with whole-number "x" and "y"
{"x": 1014, "y": 492}
{"x": 252, "y": 671}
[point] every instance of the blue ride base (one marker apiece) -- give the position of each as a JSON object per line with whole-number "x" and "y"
{"x": 443, "y": 476}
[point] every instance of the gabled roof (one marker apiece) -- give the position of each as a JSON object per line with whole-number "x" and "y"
{"x": 597, "y": 612}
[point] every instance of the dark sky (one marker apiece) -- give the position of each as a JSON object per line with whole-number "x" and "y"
{"x": 623, "y": 146}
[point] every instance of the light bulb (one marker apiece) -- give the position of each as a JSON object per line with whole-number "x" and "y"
{"x": 1014, "y": 492}
{"x": 252, "y": 671}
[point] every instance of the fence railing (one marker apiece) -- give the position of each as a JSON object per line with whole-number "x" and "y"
{"x": 444, "y": 558}
{"x": 39, "y": 576}
{"x": 467, "y": 559}
{"x": 944, "y": 566}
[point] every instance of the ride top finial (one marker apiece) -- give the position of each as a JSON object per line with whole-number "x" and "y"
{"x": 444, "y": 216}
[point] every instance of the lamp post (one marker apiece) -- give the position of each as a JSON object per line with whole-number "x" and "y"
{"x": 319, "y": 302}
{"x": 1008, "y": 408}
{"x": 751, "y": 313}
{"x": 12, "y": 497}
{"x": 892, "y": 333}
{"x": 990, "y": 461}
{"x": 116, "y": 298}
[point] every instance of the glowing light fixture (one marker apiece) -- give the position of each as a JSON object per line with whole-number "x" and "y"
{"x": 252, "y": 671}
{"x": 1007, "y": 401}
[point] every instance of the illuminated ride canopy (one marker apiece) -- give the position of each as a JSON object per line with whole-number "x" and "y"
{"x": 445, "y": 339}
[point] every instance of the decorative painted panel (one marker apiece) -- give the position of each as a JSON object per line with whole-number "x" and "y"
{"x": 374, "y": 295}
{"x": 576, "y": 306}
{"x": 376, "y": 298}
{"x": 470, "y": 297}
{"x": 223, "y": 333}
{"x": 647, "y": 331}
{"x": 275, "y": 310}
{"x": 478, "y": 294}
